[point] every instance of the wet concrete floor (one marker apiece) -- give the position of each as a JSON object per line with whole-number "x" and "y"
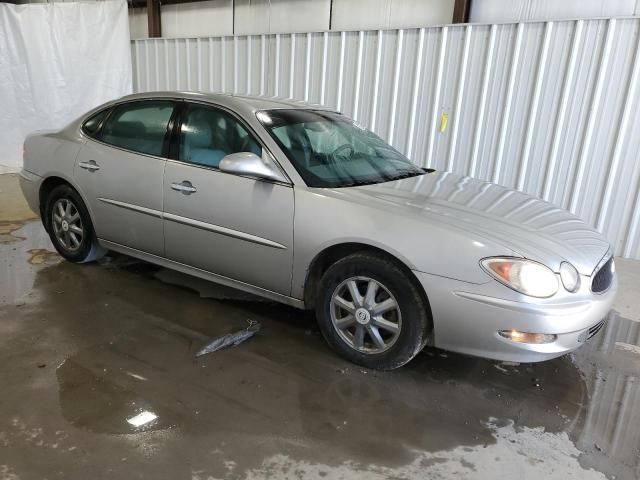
{"x": 86, "y": 350}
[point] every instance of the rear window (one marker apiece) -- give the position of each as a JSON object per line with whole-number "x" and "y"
{"x": 92, "y": 125}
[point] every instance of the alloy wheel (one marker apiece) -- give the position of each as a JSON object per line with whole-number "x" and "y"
{"x": 67, "y": 224}
{"x": 366, "y": 315}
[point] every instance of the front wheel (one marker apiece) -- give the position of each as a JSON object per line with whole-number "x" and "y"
{"x": 70, "y": 227}
{"x": 371, "y": 313}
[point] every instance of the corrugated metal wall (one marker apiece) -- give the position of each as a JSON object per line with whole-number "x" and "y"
{"x": 613, "y": 411}
{"x": 551, "y": 108}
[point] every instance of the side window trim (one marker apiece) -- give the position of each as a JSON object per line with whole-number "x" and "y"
{"x": 176, "y": 102}
{"x": 98, "y": 131}
{"x": 173, "y": 128}
{"x": 174, "y": 133}
{"x": 216, "y": 108}
{"x": 175, "y": 142}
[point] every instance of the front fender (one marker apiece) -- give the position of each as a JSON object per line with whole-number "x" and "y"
{"x": 323, "y": 220}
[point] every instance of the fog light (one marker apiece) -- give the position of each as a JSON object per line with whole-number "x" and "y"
{"x": 526, "y": 337}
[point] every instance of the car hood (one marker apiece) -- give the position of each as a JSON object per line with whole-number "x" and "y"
{"x": 526, "y": 225}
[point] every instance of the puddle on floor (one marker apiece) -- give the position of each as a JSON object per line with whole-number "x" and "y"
{"x": 609, "y": 428}
{"x": 17, "y": 272}
{"x": 281, "y": 386}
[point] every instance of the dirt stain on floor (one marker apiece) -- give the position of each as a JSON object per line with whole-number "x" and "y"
{"x": 41, "y": 256}
{"x": 15, "y": 211}
{"x": 6, "y": 231}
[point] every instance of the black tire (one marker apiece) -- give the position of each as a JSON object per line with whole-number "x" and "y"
{"x": 87, "y": 248}
{"x": 415, "y": 319}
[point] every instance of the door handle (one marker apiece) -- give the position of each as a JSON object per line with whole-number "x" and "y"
{"x": 186, "y": 187}
{"x": 91, "y": 165}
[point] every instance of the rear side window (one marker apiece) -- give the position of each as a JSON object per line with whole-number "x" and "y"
{"x": 139, "y": 126}
{"x": 92, "y": 125}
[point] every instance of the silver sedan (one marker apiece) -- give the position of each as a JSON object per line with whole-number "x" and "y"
{"x": 301, "y": 205}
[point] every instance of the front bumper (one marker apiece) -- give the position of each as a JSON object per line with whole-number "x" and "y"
{"x": 467, "y": 318}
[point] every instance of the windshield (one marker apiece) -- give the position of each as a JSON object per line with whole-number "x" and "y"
{"x": 330, "y": 150}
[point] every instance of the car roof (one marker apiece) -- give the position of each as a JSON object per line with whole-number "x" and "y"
{"x": 247, "y": 103}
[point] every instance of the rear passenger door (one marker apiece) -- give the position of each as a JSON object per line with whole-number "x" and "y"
{"x": 120, "y": 173}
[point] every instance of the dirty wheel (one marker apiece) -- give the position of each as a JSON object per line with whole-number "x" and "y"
{"x": 371, "y": 313}
{"x": 70, "y": 227}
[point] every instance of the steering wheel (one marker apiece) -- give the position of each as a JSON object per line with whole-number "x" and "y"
{"x": 339, "y": 151}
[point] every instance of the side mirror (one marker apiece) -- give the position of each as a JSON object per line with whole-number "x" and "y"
{"x": 251, "y": 165}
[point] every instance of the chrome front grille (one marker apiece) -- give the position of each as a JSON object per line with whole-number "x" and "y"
{"x": 602, "y": 279}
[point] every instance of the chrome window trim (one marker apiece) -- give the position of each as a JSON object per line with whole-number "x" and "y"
{"x": 89, "y": 117}
{"x": 217, "y": 170}
{"x": 126, "y": 150}
{"x": 180, "y": 101}
{"x": 252, "y": 131}
{"x": 118, "y": 104}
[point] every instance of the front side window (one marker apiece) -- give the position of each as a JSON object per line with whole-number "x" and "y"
{"x": 139, "y": 126}
{"x": 330, "y": 150}
{"x": 208, "y": 134}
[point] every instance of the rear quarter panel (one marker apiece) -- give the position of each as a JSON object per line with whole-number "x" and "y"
{"x": 49, "y": 154}
{"x": 52, "y": 153}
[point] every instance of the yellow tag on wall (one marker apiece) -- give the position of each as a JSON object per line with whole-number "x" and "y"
{"x": 443, "y": 121}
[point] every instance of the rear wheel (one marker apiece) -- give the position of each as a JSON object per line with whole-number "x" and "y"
{"x": 371, "y": 313}
{"x": 70, "y": 227}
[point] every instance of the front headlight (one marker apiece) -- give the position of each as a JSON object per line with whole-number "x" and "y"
{"x": 524, "y": 276}
{"x": 569, "y": 276}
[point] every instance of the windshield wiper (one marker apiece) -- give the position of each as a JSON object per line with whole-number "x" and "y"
{"x": 400, "y": 176}
{"x": 357, "y": 183}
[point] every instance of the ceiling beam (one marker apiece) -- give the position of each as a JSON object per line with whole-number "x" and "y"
{"x": 143, "y": 3}
{"x": 153, "y": 18}
{"x": 461, "y": 11}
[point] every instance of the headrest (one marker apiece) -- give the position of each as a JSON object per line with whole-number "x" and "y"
{"x": 199, "y": 132}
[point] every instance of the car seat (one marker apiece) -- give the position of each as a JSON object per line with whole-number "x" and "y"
{"x": 197, "y": 142}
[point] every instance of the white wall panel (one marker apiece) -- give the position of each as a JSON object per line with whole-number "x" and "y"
{"x": 486, "y": 11}
{"x": 274, "y": 16}
{"x": 365, "y": 14}
{"x": 551, "y": 108}
{"x": 138, "y": 23}
{"x": 213, "y": 17}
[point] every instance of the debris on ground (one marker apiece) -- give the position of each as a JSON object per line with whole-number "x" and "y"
{"x": 230, "y": 339}
{"x": 501, "y": 368}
